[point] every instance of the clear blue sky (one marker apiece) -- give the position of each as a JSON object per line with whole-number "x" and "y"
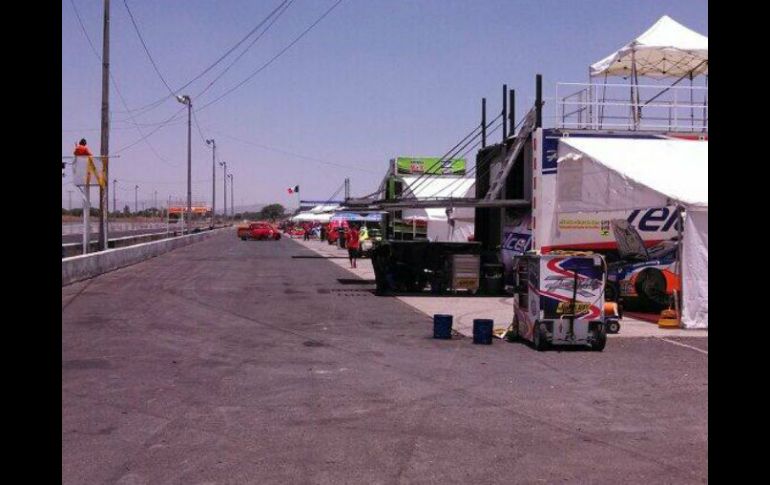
{"x": 375, "y": 79}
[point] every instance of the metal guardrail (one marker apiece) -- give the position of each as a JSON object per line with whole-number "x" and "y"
{"x": 645, "y": 108}
{"x": 76, "y": 248}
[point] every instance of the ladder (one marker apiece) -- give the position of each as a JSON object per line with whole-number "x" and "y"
{"x": 521, "y": 139}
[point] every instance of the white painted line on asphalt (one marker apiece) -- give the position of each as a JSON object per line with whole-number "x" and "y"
{"x": 683, "y": 345}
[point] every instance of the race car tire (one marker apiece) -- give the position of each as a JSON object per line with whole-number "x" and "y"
{"x": 651, "y": 288}
{"x": 601, "y": 340}
{"x": 539, "y": 339}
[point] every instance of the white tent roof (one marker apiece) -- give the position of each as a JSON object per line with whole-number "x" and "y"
{"x": 438, "y": 186}
{"x": 324, "y": 208}
{"x": 310, "y": 217}
{"x": 610, "y": 174}
{"x": 597, "y": 174}
{"x": 667, "y": 49}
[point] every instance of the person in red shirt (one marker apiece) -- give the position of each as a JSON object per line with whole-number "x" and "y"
{"x": 352, "y": 243}
{"x": 82, "y": 150}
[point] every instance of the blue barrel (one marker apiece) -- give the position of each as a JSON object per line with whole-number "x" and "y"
{"x": 482, "y": 331}
{"x": 442, "y": 326}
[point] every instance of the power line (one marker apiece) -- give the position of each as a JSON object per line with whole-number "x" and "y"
{"x": 146, "y": 50}
{"x": 280, "y": 53}
{"x": 197, "y": 125}
{"x": 115, "y": 84}
{"x": 156, "y": 103}
{"x": 248, "y": 47}
{"x": 285, "y": 152}
{"x": 164, "y": 123}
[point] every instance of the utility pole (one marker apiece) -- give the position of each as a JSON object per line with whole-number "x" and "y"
{"x": 155, "y": 204}
{"x": 104, "y": 149}
{"x": 224, "y": 180}
{"x": 136, "y": 199}
{"x": 232, "y": 196}
{"x": 114, "y": 195}
{"x": 213, "y": 179}
{"x": 185, "y": 99}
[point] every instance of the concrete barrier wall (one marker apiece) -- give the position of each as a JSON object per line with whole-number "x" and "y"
{"x": 86, "y": 266}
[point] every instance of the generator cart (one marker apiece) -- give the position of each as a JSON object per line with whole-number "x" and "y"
{"x": 559, "y": 300}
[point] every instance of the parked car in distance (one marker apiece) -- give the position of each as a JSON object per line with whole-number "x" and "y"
{"x": 258, "y": 231}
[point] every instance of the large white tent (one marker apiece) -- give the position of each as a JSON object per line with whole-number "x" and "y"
{"x": 667, "y": 49}
{"x": 458, "y": 224}
{"x": 612, "y": 174}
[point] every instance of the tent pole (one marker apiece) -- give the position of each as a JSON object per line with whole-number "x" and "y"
{"x": 677, "y": 294}
{"x": 632, "y": 79}
{"x": 692, "y": 106}
{"x": 601, "y": 105}
{"x": 705, "y": 103}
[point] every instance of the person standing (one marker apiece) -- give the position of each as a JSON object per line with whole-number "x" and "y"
{"x": 82, "y": 150}
{"x": 352, "y": 242}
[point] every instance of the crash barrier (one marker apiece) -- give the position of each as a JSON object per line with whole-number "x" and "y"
{"x": 442, "y": 326}
{"x": 76, "y": 249}
{"x": 77, "y": 227}
{"x": 86, "y": 266}
{"x": 482, "y": 331}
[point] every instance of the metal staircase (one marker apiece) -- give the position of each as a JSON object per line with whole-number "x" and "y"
{"x": 521, "y": 139}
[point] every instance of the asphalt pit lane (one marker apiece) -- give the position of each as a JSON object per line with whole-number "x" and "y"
{"x": 313, "y": 343}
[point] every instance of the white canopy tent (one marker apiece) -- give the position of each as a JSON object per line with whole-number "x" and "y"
{"x": 311, "y": 217}
{"x": 321, "y": 213}
{"x": 458, "y": 225}
{"x": 667, "y": 49}
{"x": 612, "y": 174}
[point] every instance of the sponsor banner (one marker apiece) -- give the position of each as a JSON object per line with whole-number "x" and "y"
{"x": 592, "y": 229}
{"x": 195, "y": 209}
{"x": 431, "y": 165}
{"x": 517, "y": 239}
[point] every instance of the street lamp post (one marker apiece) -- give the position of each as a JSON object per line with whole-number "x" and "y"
{"x": 136, "y": 199}
{"x": 232, "y": 196}
{"x": 224, "y": 180}
{"x": 185, "y": 99}
{"x": 213, "y": 179}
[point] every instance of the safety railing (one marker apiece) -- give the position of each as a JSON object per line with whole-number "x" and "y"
{"x": 600, "y": 106}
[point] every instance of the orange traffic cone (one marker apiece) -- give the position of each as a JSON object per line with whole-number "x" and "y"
{"x": 668, "y": 319}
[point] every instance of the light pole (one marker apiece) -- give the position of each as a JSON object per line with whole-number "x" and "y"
{"x": 114, "y": 195}
{"x": 224, "y": 180}
{"x": 185, "y": 99}
{"x": 213, "y": 179}
{"x": 136, "y": 199}
{"x": 232, "y": 196}
{"x": 69, "y": 192}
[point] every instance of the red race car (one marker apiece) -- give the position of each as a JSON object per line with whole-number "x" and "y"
{"x": 258, "y": 231}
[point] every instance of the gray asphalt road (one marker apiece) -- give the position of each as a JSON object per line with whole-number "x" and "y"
{"x": 238, "y": 362}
